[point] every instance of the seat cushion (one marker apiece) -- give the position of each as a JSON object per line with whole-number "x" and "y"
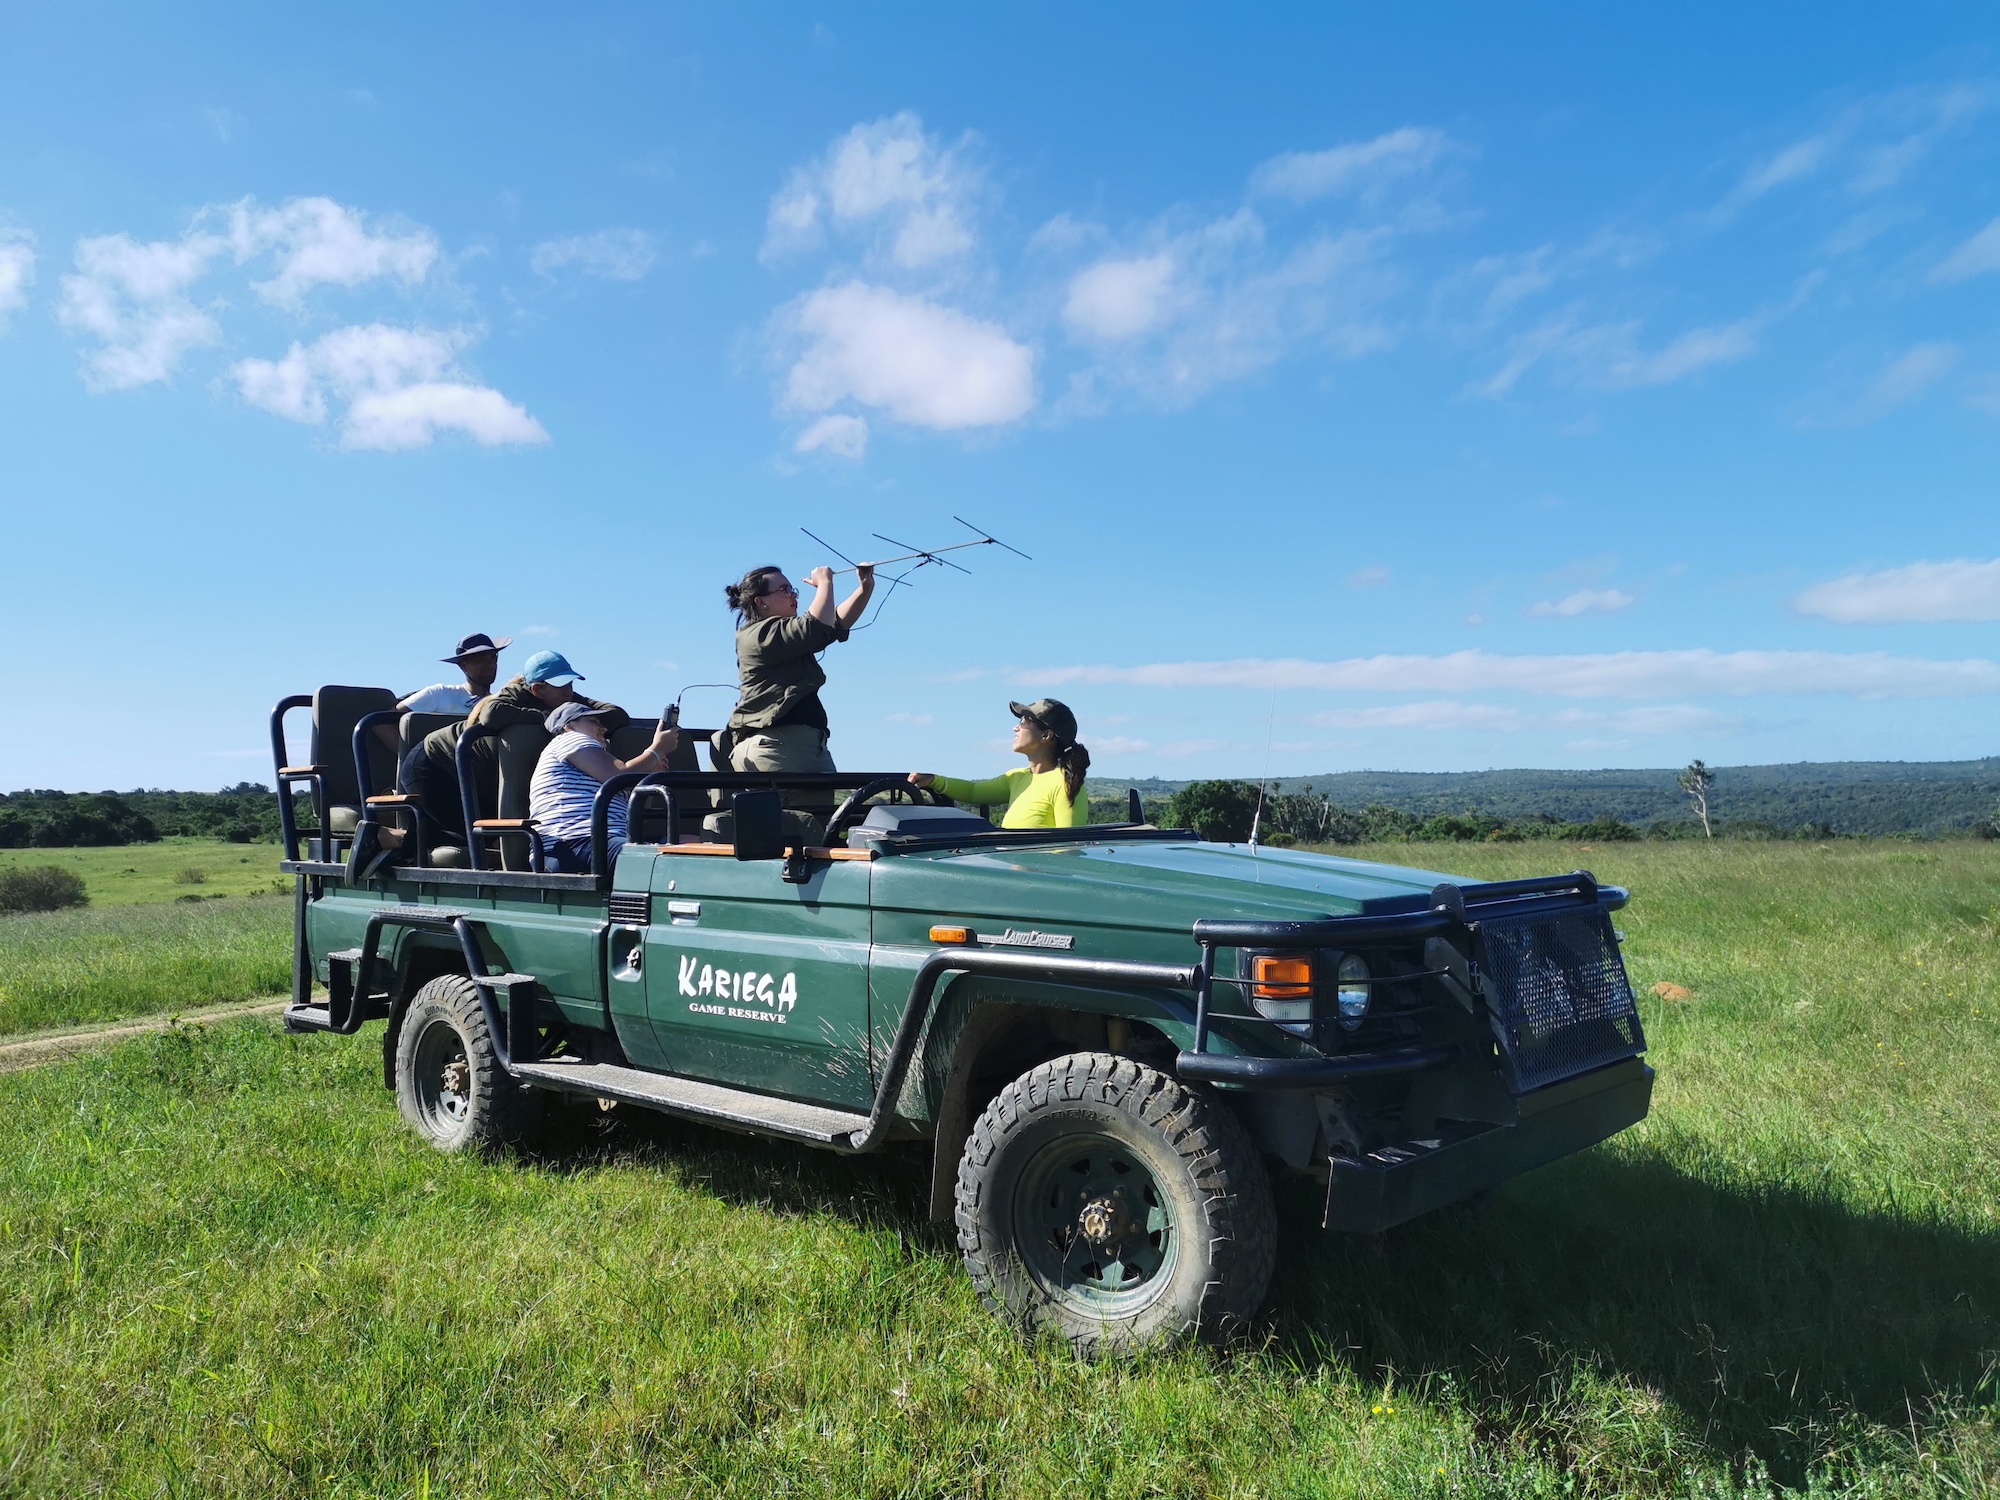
{"x": 343, "y": 819}
{"x": 448, "y": 857}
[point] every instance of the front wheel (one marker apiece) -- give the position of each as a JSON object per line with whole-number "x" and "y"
{"x": 449, "y": 1082}
{"x": 1101, "y": 1200}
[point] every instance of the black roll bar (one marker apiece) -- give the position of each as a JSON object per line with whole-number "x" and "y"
{"x": 287, "y": 820}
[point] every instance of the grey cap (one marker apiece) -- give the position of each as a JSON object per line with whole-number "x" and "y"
{"x": 559, "y": 718}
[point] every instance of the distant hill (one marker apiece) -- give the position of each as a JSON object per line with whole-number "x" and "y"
{"x": 1852, "y": 797}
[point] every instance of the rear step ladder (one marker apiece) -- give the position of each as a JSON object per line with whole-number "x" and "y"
{"x": 709, "y": 1102}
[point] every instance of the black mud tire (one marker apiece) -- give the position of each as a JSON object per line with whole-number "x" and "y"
{"x": 449, "y": 1082}
{"x": 1094, "y": 1117}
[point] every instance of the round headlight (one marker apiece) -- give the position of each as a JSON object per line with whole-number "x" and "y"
{"x": 1353, "y": 991}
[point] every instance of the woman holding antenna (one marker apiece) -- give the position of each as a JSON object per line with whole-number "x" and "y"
{"x": 779, "y": 723}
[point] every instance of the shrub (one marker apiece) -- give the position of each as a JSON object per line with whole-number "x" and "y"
{"x": 41, "y": 888}
{"x": 192, "y": 875}
{"x": 1217, "y": 810}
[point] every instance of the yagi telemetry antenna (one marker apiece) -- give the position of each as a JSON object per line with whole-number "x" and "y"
{"x": 917, "y": 557}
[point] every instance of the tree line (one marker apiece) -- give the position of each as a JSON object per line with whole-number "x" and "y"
{"x": 246, "y": 813}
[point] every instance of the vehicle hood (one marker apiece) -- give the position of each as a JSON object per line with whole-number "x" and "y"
{"x": 1139, "y": 884}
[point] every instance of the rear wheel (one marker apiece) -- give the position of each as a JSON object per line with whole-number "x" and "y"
{"x": 1101, "y": 1200}
{"x": 449, "y": 1081}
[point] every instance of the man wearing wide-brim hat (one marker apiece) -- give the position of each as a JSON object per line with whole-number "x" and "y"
{"x": 478, "y": 657}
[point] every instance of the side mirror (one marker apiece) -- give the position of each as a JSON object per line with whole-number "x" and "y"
{"x": 760, "y": 825}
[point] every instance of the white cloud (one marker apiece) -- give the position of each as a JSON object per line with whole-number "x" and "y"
{"x": 17, "y": 272}
{"x": 1607, "y": 355}
{"x": 319, "y": 242}
{"x": 1373, "y": 577}
{"x": 134, "y": 299}
{"x": 1118, "y": 744}
{"x": 413, "y": 415}
{"x": 1214, "y": 304}
{"x": 909, "y": 718}
{"x": 1799, "y": 160}
{"x": 614, "y": 254}
{"x": 886, "y": 177}
{"x": 924, "y": 364}
{"x": 841, "y": 435}
{"x": 1975, "y": 257}
{"x": 1919, "y": 592}
{"x": 1905, "y": 378}
{"x": 1433, "y": 714}
{"x": 1447, "y": 714}
{"x": 1582, "y": 602}
{"x": 1117, "y": 299}
{"x": 400, "y": 384}
{"x": 1614, "y": 674}
{"x": 1363, "y": 167}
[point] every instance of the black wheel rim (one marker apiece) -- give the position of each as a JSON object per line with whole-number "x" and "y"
{"x": 443, "y": 1075}
{"x": 1094, "y": 1228}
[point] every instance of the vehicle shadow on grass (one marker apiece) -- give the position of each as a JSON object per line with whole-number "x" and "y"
{"x": 1770, "y": 1319}
{"x": 887, "y": 1190}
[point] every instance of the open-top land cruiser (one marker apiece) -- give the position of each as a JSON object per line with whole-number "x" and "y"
{"x": 1104, "y": 1036}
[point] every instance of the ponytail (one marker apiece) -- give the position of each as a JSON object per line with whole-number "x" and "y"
{"x": 1073, "y": 760}
{"x": 746, "y": 591}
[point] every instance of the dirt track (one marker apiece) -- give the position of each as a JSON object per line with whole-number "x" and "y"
{"x": 47, "y": 1047}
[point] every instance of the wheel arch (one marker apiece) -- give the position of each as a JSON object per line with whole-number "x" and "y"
{"x": 987, "y": 1031}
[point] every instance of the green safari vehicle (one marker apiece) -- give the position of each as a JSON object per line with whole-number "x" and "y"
{"x": 1104, "y": 1037}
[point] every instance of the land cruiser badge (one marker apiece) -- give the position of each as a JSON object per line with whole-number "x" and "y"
{"x": 1013, "y": 937}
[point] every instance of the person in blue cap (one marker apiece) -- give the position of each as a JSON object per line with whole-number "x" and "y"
{"x": 547, "y": 681}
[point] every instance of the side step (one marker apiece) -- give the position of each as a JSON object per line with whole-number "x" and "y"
{"x": 710, "y": 1102}
{"x": 308, "y": 1018}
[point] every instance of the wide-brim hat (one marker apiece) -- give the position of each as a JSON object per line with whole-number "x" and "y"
{"x": 1053, "y": 716}
{"x": 477, "y": 642}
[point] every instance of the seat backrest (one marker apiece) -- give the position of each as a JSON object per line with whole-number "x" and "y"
{"x": 336, "y": 710}
{"x": 411, "y": 729}
{"x": 690, "y": 807}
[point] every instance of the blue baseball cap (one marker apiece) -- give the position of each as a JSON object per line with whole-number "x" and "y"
{"x": 551, "y": 667}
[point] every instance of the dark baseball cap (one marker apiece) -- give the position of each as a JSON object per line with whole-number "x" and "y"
{"x": 1053, "y": 716}
{"x": 559, "y": 718}
{"x": 477, "y": 642}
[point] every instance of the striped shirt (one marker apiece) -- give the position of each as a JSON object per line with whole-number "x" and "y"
{"x": 560, "y": 797}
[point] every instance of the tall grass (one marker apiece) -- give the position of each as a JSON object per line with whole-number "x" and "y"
{"x": 231, "y": 1271}
{"x": 66, "y": 968}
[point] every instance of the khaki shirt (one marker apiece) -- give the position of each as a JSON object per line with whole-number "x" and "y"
{"x": 778, "y": 661}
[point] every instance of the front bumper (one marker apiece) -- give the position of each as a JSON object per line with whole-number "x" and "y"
{"x": 1396, "y": 1183}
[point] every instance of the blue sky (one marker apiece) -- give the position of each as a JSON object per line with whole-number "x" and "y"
{"x": 1436, "y": 389}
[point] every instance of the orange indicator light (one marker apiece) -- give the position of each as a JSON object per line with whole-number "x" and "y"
{"x": 1281, "y": 976}
{"x": 951, "y": 934}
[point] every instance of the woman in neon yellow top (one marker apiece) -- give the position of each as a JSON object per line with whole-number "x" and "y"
{"x": 1045, "y": 793}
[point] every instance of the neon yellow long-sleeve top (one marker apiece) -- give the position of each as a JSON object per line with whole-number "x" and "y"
{"x": 1033, "y": 801}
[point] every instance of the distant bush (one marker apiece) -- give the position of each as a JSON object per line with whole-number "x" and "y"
{"x": 1219, "y": 810}
{"x": 243, "y": 814}
{"x": 192, "y": 875}
{"x": 41, "y": 888}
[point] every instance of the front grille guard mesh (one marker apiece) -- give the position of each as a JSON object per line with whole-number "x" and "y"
{"x": 1562, "y": 1004}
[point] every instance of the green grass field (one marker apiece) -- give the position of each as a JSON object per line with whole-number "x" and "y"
{"x": 143, "y": 873}
{"x": 230, "y": 1270}
{"x": 148, "y": 942}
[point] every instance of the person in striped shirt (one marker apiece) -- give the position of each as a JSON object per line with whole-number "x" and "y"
{"x": 564, "y": 789}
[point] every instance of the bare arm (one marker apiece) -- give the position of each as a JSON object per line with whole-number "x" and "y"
{"x": 856, "y": 603}
{"x": 599, "y": 763}
{"x": 821, "y": 608}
